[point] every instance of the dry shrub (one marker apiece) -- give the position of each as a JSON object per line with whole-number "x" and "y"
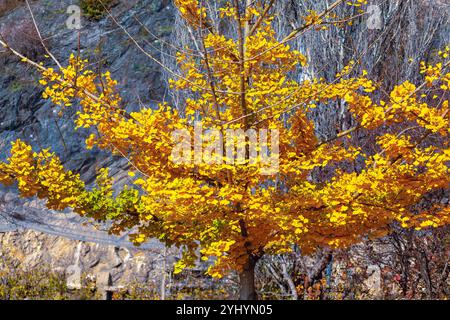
{"x": 23, "y": 37}
{"x": 38, "y": 284}
{"x": 7, "y": 5}
{"x": 95, "y": 9}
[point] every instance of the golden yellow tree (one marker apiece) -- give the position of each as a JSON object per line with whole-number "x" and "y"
{"x": 234, "y": 213}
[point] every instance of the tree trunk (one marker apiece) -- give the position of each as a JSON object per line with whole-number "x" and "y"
{"x": 247, "y": 289}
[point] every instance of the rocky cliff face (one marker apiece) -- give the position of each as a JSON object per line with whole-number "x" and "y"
{"x": 107, "y": 265}
{"x": 24, "y": 114}
{"x": 28, "y": 231}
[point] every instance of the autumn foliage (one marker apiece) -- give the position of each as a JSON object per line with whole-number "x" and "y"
{"x": 233, "y": 213}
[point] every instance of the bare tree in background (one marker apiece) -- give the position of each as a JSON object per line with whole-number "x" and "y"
{"x": 410, "y": 31}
